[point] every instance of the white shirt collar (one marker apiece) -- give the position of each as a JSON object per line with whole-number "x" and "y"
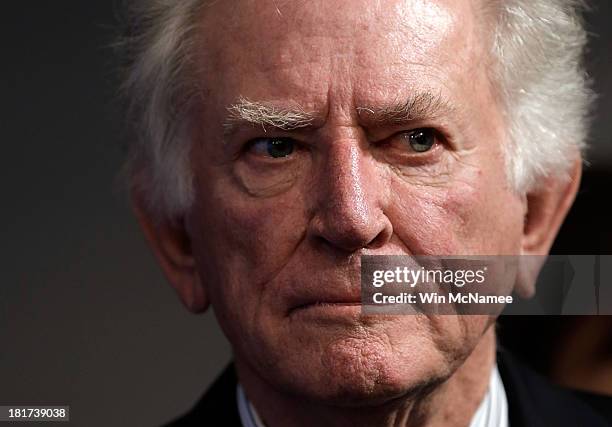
{"x": 492, "y": 412}
{"x": 248, "y": 414}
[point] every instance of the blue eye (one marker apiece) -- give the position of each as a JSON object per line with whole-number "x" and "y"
{"x": 273, "y": 147}
{"x": 421, "y": 140}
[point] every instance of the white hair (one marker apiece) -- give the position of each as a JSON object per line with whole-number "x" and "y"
{"x": 159, "y": 93}
{"x": 537, "y": 49}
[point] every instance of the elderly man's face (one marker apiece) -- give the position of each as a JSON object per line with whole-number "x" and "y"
{"x": 399, "y": 151}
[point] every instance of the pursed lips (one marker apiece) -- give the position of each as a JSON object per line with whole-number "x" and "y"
{"x": 321, "y": 301}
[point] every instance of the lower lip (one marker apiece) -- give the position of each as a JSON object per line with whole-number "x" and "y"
{"x": 329, "y": 310}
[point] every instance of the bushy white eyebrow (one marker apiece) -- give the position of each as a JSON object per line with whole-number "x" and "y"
{"x": 245, "y": 111}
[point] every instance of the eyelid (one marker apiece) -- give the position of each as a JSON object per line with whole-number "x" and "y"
{"x": 445, "y": 134}
{"x": 438, "y": 136}
{"x": 253, "y": 141}
{"x": 262, "y": 154}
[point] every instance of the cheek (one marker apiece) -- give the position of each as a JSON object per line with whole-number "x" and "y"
{"x": 241, "y": 244}
{"x": 475, "y": 214}
{"x": 242, "y": 237}
{"x": 492, "y": 212}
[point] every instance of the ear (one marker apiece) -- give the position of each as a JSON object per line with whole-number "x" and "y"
{"x": 546, "y": 208}
{"x": 171, "y": 245}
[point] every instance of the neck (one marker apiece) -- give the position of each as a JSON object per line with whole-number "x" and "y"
{"x": 449, "y": 404}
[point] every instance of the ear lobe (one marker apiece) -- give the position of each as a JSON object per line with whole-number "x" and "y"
{"x": 547, "y": 207}
{"x": 171, "y": 245}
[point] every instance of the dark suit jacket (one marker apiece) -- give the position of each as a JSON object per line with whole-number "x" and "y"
{"x": 532, "y": 401}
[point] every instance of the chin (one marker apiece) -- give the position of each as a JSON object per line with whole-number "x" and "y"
{"x": 363, "y": 368}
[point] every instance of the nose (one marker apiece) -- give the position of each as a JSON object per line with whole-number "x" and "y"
{"x": 349, "y": 204}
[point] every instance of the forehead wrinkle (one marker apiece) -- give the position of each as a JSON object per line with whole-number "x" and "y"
{"x": 245, "y": 111}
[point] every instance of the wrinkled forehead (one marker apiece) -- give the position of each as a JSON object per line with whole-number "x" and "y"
{"x": 250, "y": 23}
{"x": 316, "y": 39}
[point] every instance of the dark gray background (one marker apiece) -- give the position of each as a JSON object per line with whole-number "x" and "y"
{"x": 86, "y": 318}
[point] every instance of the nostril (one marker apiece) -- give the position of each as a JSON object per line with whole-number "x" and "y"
{"x": 379, "y": 241}
{"x": 385, "y": 232}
